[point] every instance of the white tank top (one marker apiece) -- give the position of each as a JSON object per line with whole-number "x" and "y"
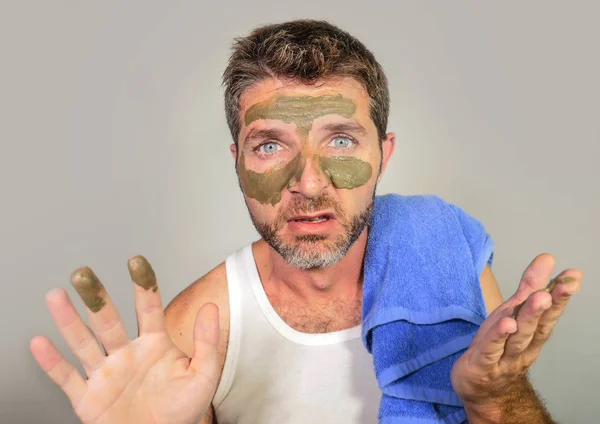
{"x": 274, "y": 374}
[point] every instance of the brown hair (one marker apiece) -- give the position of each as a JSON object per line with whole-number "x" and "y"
{"x": 306, "y": 51}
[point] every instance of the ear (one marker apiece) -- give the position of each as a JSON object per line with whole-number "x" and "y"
{"x": 388, "y": 145}
{"x": 233, "y": 149}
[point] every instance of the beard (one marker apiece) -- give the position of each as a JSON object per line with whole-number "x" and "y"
{"x": 313, "y": 251}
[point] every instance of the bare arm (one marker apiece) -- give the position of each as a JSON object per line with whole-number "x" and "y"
{"x": 519, "y": 405}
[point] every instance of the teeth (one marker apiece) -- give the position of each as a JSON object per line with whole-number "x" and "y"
{"x": 317, "y": 219}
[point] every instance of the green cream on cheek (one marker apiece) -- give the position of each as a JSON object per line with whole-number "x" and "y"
{"x": 344, "y": 172}
{"x": 266, "y": 187}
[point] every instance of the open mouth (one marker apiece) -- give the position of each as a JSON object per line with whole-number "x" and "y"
{"x": 313, "y": 219}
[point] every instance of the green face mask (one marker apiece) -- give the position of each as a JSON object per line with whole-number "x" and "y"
{"x": 344, "y": 172}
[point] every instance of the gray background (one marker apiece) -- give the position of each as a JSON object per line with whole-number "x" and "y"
{"x": 114, "y": 143}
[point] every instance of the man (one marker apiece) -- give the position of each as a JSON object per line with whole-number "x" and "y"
{"x": 272, "y": 335}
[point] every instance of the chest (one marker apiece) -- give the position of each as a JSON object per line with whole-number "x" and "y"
{"x": 324, "y": 317}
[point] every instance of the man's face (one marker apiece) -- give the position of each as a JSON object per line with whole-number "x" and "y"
{"x": 308, "y": 162}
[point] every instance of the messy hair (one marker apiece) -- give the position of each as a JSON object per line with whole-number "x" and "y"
{"x": 304, "y": 51}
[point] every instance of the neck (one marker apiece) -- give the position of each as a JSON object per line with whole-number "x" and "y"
{"x": 343, "y": 280}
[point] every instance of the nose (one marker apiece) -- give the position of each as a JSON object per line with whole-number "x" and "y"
{"x": 310, "y": 181}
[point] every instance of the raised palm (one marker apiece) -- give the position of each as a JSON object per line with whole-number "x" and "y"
{"x": 145, "y": 380}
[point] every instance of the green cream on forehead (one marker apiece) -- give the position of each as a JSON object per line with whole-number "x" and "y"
{"x": 300, "y": 110}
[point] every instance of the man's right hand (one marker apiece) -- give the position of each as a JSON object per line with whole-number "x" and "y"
{"x": 147, "y": 380}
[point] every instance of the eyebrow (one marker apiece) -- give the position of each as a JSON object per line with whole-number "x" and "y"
{"x": 267, "y": 133}
{"x": 354, "y": 127}
{"x": 276, "y": 133}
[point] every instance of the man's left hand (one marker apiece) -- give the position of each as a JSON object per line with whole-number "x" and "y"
{"x": 504, "y": 347}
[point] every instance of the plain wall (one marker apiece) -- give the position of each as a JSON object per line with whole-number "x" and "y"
{"x": 114, "y": 143}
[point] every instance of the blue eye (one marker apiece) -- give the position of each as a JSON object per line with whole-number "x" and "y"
{"x": 342, "y": 142}
{"x": 270, "y": 147}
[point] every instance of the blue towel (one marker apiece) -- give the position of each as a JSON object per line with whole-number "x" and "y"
{"x": 422, "y": 303}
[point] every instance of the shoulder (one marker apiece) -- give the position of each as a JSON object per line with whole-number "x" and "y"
{"x": 420, "y": 209}
{"x": 423, "y": 212}
{"x": 409, "y": 202}
{"x": 180, "y": 314}
{"x": 432, "y": 217}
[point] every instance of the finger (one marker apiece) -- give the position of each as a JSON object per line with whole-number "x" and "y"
{"x": 567, "y": 283}
{"x": 58, "y": 369}
{"x": 148, "y": 303}
{"x": 78, "y": 336}
{"x": 491, "y": 347}
{"x": 536, "y": 275}
{"x": 205, "y": 360}
{"x": 527, "y": 323}
{"x": 562, "y": 288}
{"x": 104, "y": 318}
